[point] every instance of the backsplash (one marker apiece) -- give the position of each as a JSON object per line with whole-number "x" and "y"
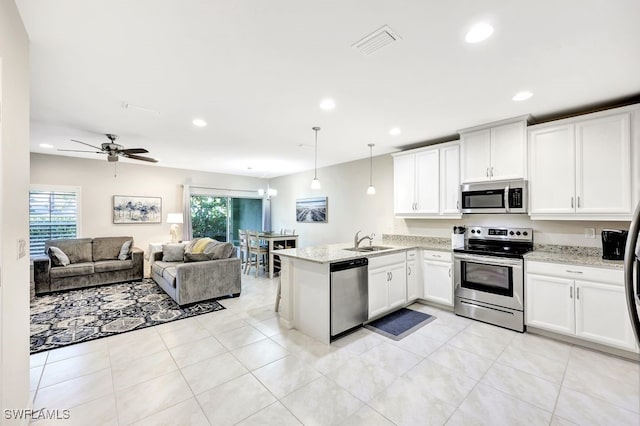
{"x": 570, "y": 250}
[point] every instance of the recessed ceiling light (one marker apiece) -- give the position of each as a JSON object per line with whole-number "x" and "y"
{"x": 327, "y": 104}
{"x": 46, "y": 145}
{"x": 199, "y": 122}
{"x": 479, "y": 32}
{"x": 395, "y": 131}
{"x": 522, "y": 96}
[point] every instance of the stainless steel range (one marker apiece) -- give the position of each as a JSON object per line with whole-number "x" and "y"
{"x": 489, "y": 275}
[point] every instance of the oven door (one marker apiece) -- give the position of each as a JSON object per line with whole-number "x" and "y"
{"x": 495, "y": 280}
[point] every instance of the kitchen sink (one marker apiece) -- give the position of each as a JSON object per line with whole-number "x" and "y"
{"x": 369, "y": 248}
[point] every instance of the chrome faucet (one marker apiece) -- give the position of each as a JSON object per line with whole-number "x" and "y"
{"x": 356, "y": 241}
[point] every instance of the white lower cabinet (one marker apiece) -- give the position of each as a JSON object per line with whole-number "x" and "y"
{"x": 437, "y": 277}
{"x": 387, "y": 283}
{"x": 584, "y": 302}
{"x": 413, "y": 275}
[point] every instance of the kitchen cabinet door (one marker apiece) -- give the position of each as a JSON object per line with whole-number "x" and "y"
{"x": 475, "y": 156}
{"x": 438, "y": 282}
{"x": 450, "y": 180}
{"x": 412, "y": 281}
{"x": 378, "y": 291}
{"x": 602, "y": 316}
{"x": 552, "y": 170}
{"x": 428, "y": 182}
{"x": 603, "y": 165}
{"x": 508, "y": 151}
{"x": 404, "y": 178}
{"x": 397, "y": 285}
{"x": 550, "y": 303}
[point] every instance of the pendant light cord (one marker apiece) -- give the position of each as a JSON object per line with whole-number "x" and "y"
{"x": 315, "y": 159}
{"x": 370, "y": 164}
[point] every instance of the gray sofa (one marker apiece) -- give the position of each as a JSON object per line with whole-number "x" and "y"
{"x": 94, "y": 261}
{"x": 191, "y": 282}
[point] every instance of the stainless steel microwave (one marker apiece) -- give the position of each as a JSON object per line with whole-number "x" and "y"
{"x": 506, "y": 196}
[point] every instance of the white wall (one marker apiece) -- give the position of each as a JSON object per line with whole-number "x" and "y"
{"x": 14, "y": 225}
{"x": 349, "y": 207}
{"x": 350, "y": 210}
{"x": 98, "y": 186}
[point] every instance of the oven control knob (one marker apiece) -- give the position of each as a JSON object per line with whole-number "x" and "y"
{"x": 511, "y": 232}
{"x": 473, "y": 231}
{"x": 479, "y": 231}
{"x": 525, "y": 233}
{"x": 518, "y": 233}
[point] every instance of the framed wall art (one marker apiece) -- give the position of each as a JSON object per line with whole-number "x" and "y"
{"x": 132, "y": 209}
{"x": 311, "y": 209}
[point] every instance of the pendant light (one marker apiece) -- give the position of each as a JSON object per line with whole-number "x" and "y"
{"x": 315, "y": 183}
{"x": 371, "y": 190}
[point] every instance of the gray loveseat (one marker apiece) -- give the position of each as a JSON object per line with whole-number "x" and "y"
{"x": 93, "y": 261}
{"x": 195, "y": 281}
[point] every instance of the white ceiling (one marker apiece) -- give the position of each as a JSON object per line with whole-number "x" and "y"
{"x": 256, "y": 71}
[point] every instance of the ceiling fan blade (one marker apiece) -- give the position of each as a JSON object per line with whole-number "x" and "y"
{"x": 84, "y": 143}
{"x": 139, "y": 157}
{"x": 134, "y": 151}
{"x": 77, "y": 150}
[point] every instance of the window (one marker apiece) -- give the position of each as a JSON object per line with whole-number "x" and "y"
{"x": 53, "y": 214}
{"x": 221, "y": 217}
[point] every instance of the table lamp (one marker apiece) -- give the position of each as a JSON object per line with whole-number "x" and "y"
{"x": 174, "y": 219}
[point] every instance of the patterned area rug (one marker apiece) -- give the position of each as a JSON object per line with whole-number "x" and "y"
{"x": 75, "y": 316}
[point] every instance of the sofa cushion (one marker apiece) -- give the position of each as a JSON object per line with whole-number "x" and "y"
{"x": 159, "y": 266}
{"x": 58, "y": 257}
{"x": 78, "y": 249}
{"x": 219, "y": 250}
{"x": 73, "y": 270}
{"x": 107, "y": 248}
{"x": 112, "y": 265}
{"x": 125, "y": 250}
{"x": 172, "y": 252}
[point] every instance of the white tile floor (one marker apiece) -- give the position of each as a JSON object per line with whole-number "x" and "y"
{"x": 239, "y": 366}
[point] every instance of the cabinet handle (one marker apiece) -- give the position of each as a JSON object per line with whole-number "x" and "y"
{"x": 408, "y": 270}
{"x": 387, "y": 276}
{"x": 487, "y": 172}
{"x": 570, "y": 292}
{"x": 491, "y": 171}
{"x": 573, "y": 272}
{"x": 571, "y": 202}
{"x": 390, "y": 276}
{"x": 436, "y": 255}
{"x": 578, "y": 201}
{"x": 458, "y": 205}
{"x": 577, "y": 292}
{"x": 449, "y": 271}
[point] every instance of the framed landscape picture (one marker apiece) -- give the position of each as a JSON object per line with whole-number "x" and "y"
{"x": 132, "y": 209}
{"x": 311, "y": 209}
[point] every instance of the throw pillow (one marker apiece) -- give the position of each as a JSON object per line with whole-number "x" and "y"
{"x": 172, "y": 252}
{"x": 124, "y": 250}
{"x": 201, "y": 244}
{"x": 58, "y": 257}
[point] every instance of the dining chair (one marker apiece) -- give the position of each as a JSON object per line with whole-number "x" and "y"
{"x": 257, "y": 253}
{"x": 244, "y": 248}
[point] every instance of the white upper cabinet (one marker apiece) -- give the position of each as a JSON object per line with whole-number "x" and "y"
{"x": 581, "y": 168}
{"x": 494, "y": 152}
{"x": 427, "y": 182}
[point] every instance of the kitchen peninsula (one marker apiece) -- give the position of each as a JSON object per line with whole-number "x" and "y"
{"x": 306, "y": 280}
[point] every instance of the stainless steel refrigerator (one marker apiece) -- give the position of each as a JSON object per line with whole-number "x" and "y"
{"x": 632, "y": 272}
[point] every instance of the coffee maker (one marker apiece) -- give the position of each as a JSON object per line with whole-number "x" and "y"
{"x": 613, "y": 243}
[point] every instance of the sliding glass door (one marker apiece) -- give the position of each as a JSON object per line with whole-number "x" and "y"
{"x": 221, "y": 217}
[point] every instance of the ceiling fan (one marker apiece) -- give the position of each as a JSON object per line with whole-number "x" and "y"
{"x": 114, "y": 150}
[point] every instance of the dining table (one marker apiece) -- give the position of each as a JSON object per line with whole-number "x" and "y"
{"x": 276, "y": 240}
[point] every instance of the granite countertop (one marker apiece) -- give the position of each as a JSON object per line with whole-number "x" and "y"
{"x": 328, "y": 253}
{"x": 573, "y": 255}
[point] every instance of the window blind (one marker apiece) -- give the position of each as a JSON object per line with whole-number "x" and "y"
{"x": 52, "y": 215}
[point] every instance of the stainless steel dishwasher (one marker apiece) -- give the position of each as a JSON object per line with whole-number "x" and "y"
{"x": 349, "y": 295}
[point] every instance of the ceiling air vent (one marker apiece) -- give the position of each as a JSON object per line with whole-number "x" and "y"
{"x": 376, "y": 40}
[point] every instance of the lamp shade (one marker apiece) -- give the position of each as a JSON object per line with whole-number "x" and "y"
{"x": 175, "y": 218}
